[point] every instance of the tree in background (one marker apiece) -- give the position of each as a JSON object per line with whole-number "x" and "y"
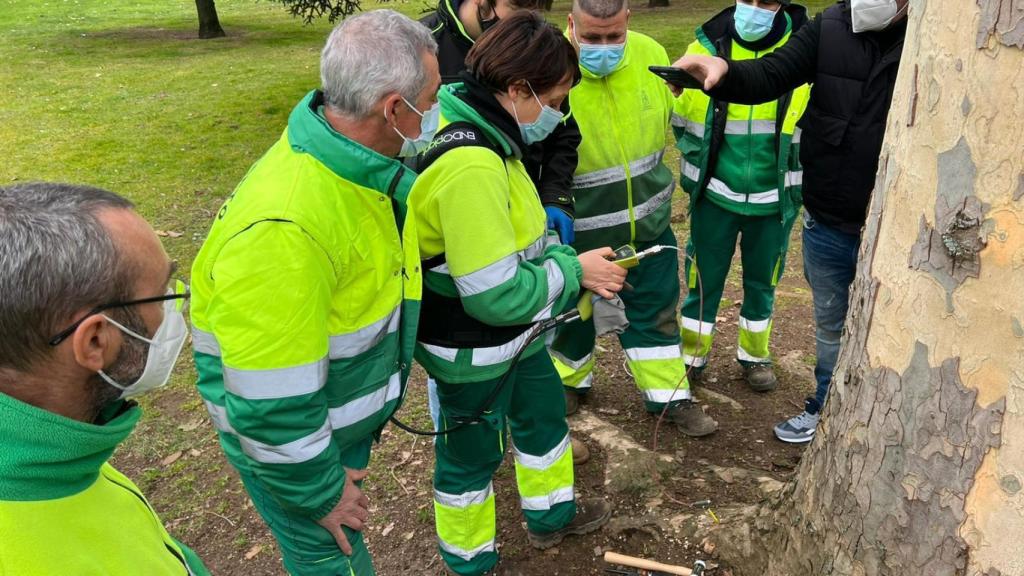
{"x": 310, "y": 10}
{"x": 209, "y": 24}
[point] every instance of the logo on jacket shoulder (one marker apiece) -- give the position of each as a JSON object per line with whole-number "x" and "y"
{"x": 451, "y": 137}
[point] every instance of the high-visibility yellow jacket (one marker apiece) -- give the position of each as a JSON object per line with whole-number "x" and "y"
{"x": 65, "y": 511}
{"x": 745, "y": 159}
{"x": 305, "y": 300}
{"x": 623, "y": 190}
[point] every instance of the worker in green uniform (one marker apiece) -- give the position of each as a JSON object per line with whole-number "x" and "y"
{"x": 492, "y": 270}
{"x": 623, "y": 194}
{"x": 90, "y": 318}
{"x": 306, "y": 293}
{"x": 741, "y": 168}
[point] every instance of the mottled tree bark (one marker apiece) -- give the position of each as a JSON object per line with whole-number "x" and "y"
{"x": 209, "y": 24}
{"x": 919, "y": 461}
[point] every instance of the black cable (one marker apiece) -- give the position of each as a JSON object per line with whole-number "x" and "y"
{"x": 535, "y": 331}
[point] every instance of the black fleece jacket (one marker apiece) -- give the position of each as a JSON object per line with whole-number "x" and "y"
{"x": 853, "y": 76}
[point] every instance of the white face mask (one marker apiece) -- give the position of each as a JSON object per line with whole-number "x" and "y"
{"x": 873, "y": 15}
{"x": 164, "y": 347}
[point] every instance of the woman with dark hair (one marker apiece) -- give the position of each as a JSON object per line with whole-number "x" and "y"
{"x": 491, "y": 273}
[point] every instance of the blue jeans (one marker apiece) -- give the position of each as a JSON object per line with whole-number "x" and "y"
{"x": 830, "y": 263}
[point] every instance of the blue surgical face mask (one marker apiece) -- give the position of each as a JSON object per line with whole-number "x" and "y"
{"x": 752, "y": 23}
{"x": 428, "y": 128}
{"x": 599, "y": 59}
{"x": 540, "y": 128}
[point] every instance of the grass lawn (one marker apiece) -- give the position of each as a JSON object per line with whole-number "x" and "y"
{"x": 119, "y": 94}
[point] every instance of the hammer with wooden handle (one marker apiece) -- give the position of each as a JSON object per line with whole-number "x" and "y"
{"x": 633, "y": 562}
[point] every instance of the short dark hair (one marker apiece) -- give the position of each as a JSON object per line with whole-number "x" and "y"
{"x": 56, "y": 258}
{"x": 600, "y": 8}
{"x": 521, "y": 47}
{"x": 523, "y": 4}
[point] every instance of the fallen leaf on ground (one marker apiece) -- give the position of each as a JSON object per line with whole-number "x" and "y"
{"x": 387, "y": 529}
{"x": 171, "y": 458}
{"x": 253, "y": 551}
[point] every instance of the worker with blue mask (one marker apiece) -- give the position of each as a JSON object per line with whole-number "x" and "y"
{"x": 623, "y": 191}
{"x": 741, "y": 169}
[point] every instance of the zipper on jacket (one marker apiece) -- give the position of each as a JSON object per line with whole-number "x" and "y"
{"x": 173, "y": 552}
{"x": 625, "y": 162}
{"x": 750, "y": 148}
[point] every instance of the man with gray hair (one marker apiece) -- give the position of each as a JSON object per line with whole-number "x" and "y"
{"x": 89, "y": 317}
{"x": 307, "y": 292}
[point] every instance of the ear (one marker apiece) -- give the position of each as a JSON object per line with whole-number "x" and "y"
{"x": 518, "y": 90}
{"x": 95, "y": 342}
{"x": 390, "y": 105}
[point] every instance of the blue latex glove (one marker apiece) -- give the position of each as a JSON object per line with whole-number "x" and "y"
{"x": 560, "y": 222}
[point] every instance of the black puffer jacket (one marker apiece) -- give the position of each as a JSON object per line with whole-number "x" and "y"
{"x": 550, "y": 163}
{"x": 853, "y": 76}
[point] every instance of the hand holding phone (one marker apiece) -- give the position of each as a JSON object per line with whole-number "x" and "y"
{"x": 677, "y": 77}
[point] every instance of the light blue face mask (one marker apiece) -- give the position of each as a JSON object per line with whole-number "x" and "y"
{"x": 540, "y": 128}
{"x": 753, "y": 23}
{"x": 428, "y": 128}
{"x": 599, "y": 59}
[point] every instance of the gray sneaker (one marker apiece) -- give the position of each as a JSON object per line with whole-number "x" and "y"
{"x": 760, "y": 377}
{"x": 799, "y": 429}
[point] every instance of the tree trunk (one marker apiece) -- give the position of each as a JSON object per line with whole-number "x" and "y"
{"x": 209, "y": 24}
{"x": 918, "y": 465}
{"x": 657, "y": 3}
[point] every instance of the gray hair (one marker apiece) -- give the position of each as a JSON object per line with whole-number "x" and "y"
{"x": 373, "y": 54}
{"x": 56, "y": 258}
{"x": 600, "y": 8}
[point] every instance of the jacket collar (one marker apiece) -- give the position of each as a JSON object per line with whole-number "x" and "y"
{"x": 470, "y": 101}
{"x": 47, "y": 456}
{"x": 448, "y": 12}
{"x": 310, "y": 133}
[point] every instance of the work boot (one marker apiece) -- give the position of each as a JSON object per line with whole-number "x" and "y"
{"x": 572, "y": 401}
{"x": 591, "y": 514}
{"x": 760, "y": 377}
{"x": 580, "y": 452}
{"x": 691, "y": 419}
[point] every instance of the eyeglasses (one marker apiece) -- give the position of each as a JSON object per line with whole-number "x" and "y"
{"x": 177, "y": 291}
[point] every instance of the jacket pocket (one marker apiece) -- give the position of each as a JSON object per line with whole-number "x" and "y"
{"x": 824, "y": 127}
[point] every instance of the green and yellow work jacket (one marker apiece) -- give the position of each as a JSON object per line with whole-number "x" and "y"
{"x": 64, "y": 510}
{"x": 623, "y": 190}
{"x": 745, "y": 159}
{"x": 477, "y": 206}
{"x": 305, "y": 300}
